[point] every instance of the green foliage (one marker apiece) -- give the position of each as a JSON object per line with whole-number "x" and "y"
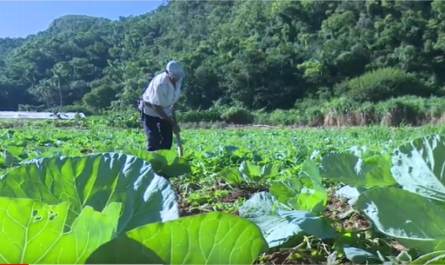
{"x": 75, "y": 179}
{"x": 281, "y": 224}
{"x": 35, "y": 231}
{"x": 238, "y": 115}
{"x": 213, "y": 238}
{"x": 211, "y": 115}
{"x": 352, "y": 170}
{"x": 114, "y": 202}
{"x": 259, "y": 55}
{"x": 381, "y": 84}
{"x": 73, "y": 108}
{"x": 410, "y": 211}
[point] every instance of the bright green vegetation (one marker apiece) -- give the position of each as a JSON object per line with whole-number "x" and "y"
{"x": 371, "y": 194}
{"x": 315, "y": 62}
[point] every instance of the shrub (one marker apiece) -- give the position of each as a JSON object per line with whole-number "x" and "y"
{"x": 73, "y": 108}
{"x": 199, "y": 116}
{"x": 23, "y": 107}
{"x": 238, "y": 115}
{"x": 381, "y": 84}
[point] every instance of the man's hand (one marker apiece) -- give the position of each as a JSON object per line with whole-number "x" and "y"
{"x": 175, "y": 126}
{"x": 171, "y": 119}
{"x": 174, "y": 107}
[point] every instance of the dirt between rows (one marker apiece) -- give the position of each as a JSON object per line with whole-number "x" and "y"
{"x": 335, "y": 208}
{"x": 186, "y": 210}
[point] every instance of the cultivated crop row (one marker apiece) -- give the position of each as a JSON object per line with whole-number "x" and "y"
{"x": 64, "y": 199}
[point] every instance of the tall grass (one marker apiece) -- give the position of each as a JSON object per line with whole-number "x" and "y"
{"x": 338, "y": 112}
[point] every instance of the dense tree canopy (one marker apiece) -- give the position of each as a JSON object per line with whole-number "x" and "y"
{"x": 255, "y": 54}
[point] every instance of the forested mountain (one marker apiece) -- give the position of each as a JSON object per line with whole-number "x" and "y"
{"x": 256, "y": 54}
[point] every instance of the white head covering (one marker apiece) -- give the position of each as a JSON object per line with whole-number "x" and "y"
{"x": 175, "y": 69}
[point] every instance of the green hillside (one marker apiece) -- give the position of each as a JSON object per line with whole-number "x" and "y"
{"x": 253, "y": 54}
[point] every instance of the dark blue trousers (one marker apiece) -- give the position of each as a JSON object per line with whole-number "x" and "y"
{"x": 159, "y": 133}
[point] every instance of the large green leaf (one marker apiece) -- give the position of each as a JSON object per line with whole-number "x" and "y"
{"x": 279, "y": 225}
{"x": 415, "y": 221}
{"x": 354, "y": 171}
{"x": 248, "y": 172}
{"x": 256, "y": 172}
{"x": 232, "y": 176}
{"x": 214, "y": 238}
{"x": 419, "y": 166}
{"x": 32, "y": 232}
{"x": 95, "y": 180}
{"x": 436, "y": 257}
{"x": 358, "y": 255}
{"x": 164, "y": 162}
{"x": 305, "y": 193}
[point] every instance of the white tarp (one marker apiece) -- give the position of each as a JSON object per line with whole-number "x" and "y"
{"x": 39, "y": 115}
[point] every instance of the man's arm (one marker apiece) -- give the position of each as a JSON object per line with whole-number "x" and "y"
{"x": 160, "y": 110}
{"x": 174, "y": 116}
{"x": 175, "y": 106}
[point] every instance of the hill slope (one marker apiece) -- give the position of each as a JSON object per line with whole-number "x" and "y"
{"x": 262, "y": 54}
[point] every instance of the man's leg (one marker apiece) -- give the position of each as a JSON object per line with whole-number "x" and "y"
{"x": 166, "y": 134}
{"x": 151, "y": 129}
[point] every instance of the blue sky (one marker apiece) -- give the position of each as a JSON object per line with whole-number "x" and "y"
{"x": 21, "y": 18}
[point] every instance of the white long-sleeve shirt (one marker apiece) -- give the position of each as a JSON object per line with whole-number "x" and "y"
{"x": 162, "y": 92}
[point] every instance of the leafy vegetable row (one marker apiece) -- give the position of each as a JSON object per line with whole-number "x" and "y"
{"x": 402, "y": 193}
{"x": 80, "y": 209}
{"x": 111, "y": 208}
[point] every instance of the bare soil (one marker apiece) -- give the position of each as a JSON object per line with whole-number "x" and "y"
{"x": 238, "y": 193}
{"x": 336, "y": 207}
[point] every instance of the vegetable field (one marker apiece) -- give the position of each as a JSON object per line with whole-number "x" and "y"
{"x": 271, "y": 196}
